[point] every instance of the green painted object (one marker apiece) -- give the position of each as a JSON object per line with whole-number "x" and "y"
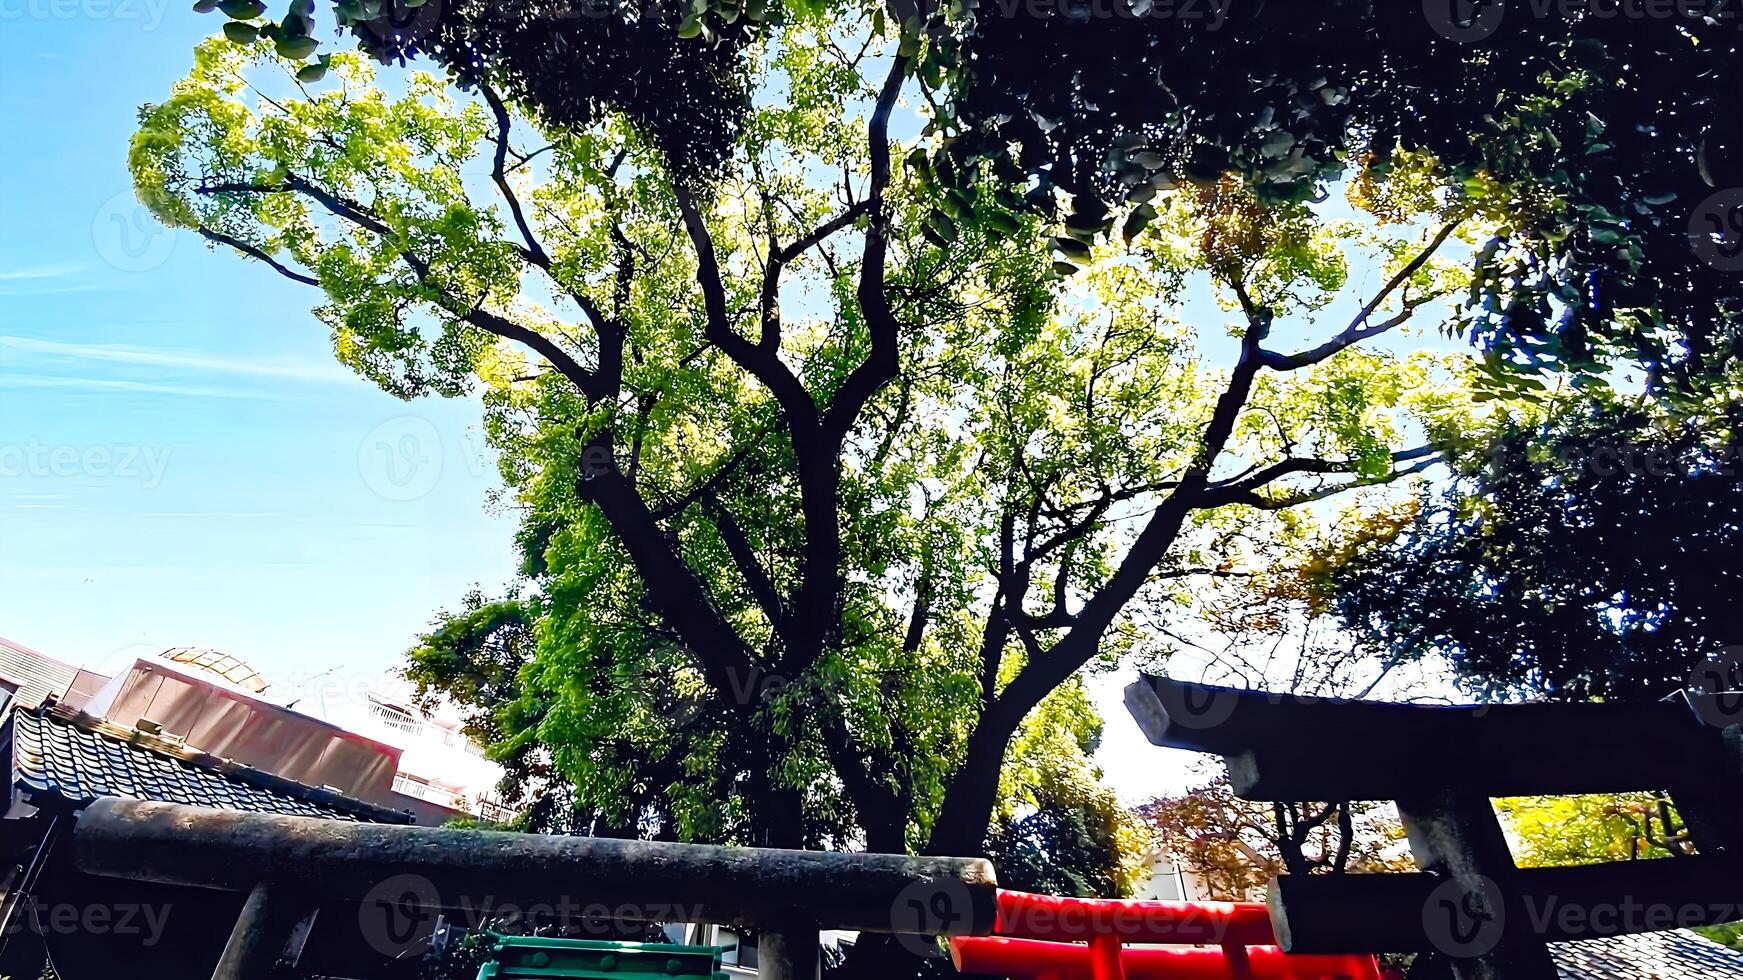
{"x": 526, "y": 957}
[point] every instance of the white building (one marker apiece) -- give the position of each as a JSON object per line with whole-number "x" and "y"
{"x": 1167, "y": 881}
{"x": 439, "y": 766}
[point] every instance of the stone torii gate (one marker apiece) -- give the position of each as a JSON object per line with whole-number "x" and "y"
{"x": 1442, "y": 766}
{"x": 288, "y": 866}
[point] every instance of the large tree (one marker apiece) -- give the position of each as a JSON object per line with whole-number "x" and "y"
{"x": 829, "y": 478}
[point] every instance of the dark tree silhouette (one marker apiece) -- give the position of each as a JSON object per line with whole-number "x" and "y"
{"x": 1593, "y": 556}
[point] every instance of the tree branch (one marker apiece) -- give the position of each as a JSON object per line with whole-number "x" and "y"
{"x": 535, "y": 253}
{"x": 249, "y": 250}
{"x": 779, "y": 258}
{"x": 709, "y": 485}
{"x": 917, "y": 620}
{"x": 1360, "y": 329}
{"x": 1098, "y": 508}
{"x": 764, "y": 365}
{"x": 1252, "y": 498}
{"x": 1245, "y": 489}
{"x": 671, "y": 586}
{"x": 357, "y": 214}
{"x": 883, "y": 361}
{"x": 756, "y": 578}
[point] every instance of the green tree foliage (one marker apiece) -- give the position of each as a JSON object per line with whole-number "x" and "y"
{"x": 473, "y": 659}
{"x": 1573, "y": 830}
{"x": 1077, "y": 840}
{"x": 674, "y": 71}
{"x": 1565, "y": 830}
{"x": 1584, "y": 552}
{"x": 1579, "y": 123}
{"x": 830, "y": 484}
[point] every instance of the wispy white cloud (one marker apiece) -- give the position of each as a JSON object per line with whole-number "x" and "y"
{"x": 185, "y": 360}
{"x": 213, "y": 514}
{"x": 32, "y": 272}
{"x": 52, "y": 287}
{"x": 8, "y": 380}
{"x": 57, "y": 279}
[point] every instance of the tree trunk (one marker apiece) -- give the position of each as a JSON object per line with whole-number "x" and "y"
{"x": 885, "y": 833}
{"x": 961, "y": 827}
{"x": 960, "y": 830}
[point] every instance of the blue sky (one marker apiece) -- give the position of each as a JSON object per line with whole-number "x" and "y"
{"x": 181, "y": 460}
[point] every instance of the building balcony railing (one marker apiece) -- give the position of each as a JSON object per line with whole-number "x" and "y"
{"x": 485, "y": 809}
{"x": 396, "y": 718}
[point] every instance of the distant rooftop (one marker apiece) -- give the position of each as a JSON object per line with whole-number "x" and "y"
{"x": 64, "y": 752}
{"x": 31, "y": 675}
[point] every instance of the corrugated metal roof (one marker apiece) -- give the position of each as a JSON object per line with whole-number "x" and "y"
{"x": 1675, "y": 955}
{"x": 37, "y": 675}
{"x": 80, "y": 758}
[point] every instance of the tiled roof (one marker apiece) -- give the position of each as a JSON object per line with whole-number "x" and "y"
{"x": 1675, "y": 955}
{"x": 80, "y": 758}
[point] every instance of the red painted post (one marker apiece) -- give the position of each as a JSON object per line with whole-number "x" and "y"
{"x": 1239, "y": 966}
{"x": 1104, "y": 958}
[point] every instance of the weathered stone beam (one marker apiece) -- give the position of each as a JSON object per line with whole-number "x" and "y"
{"x": 1284, "y": 747}
{"x": 342, "y": 861}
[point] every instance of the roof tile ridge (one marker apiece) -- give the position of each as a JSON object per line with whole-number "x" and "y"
{"x": 179, "y": 751}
